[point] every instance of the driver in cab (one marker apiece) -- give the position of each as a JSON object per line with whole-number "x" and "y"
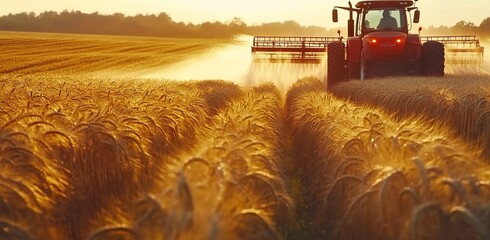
{"x": 387, "y": 21}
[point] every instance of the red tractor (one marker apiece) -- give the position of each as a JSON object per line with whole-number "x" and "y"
{"x": 380, "y": 44}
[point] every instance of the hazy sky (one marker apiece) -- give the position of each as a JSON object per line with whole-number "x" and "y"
{"x": 306, "y": 12}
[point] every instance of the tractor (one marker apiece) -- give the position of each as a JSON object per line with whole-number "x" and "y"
{"x": 378, "y": 44}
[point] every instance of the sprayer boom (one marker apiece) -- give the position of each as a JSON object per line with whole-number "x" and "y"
{"x": 294, "y": 49}
{"x": 459, "y": 49}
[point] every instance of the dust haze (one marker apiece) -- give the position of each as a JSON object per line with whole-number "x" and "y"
{"x": 469, "y": 69}
{"x": 234, "y": 63}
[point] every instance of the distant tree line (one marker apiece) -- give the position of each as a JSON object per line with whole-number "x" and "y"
{"x": 462, "y": 28}
{"x": 162, "y": 25}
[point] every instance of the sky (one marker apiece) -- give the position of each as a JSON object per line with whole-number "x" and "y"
{"x": 305, "y": 12}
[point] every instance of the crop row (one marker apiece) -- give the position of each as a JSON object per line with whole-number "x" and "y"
{"x": 369, "y": 176}
{"x": 103, "y": 159}
{"x": 228, "y": 186}
{"x": 462, "y": 103}
{"x": 71, "y": 148}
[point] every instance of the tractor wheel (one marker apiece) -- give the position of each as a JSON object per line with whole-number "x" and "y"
{"x": 335, "y": 63}
{"x": 433, "y": 59}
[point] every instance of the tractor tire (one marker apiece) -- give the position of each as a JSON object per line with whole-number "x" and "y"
{"x": 433, "y": 59}
{"x": 336, "y": 71}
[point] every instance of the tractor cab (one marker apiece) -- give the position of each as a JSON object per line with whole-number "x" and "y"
{"x": 382, "y": 19}
{"x": 378, "y": 16}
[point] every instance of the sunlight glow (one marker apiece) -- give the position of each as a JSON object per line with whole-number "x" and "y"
{"x": 310, "y": 12}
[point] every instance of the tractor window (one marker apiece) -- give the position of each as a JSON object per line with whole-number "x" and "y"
{"x": 383, "y": 20}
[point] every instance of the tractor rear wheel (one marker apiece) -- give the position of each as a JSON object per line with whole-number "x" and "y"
{"x": 335, "y": 63}
{"x": 433, "y": 59}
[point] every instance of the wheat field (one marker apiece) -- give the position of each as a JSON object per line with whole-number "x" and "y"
{"x": 99, "y": 56}
{"x": 461, "y": 102}
{"x": 88, "y": 151}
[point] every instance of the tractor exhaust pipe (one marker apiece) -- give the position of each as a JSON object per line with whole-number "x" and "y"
{"x": 350, "y": 22}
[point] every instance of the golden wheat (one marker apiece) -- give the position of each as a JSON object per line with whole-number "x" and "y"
{"x": 370, "y": 176}
{"x": 459, "y": 101}
{"x": 229, "y": 186}
{"x": 68, "y": 54}
{"x": 90, "y": 158}
{"x": 83, "y": 145}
